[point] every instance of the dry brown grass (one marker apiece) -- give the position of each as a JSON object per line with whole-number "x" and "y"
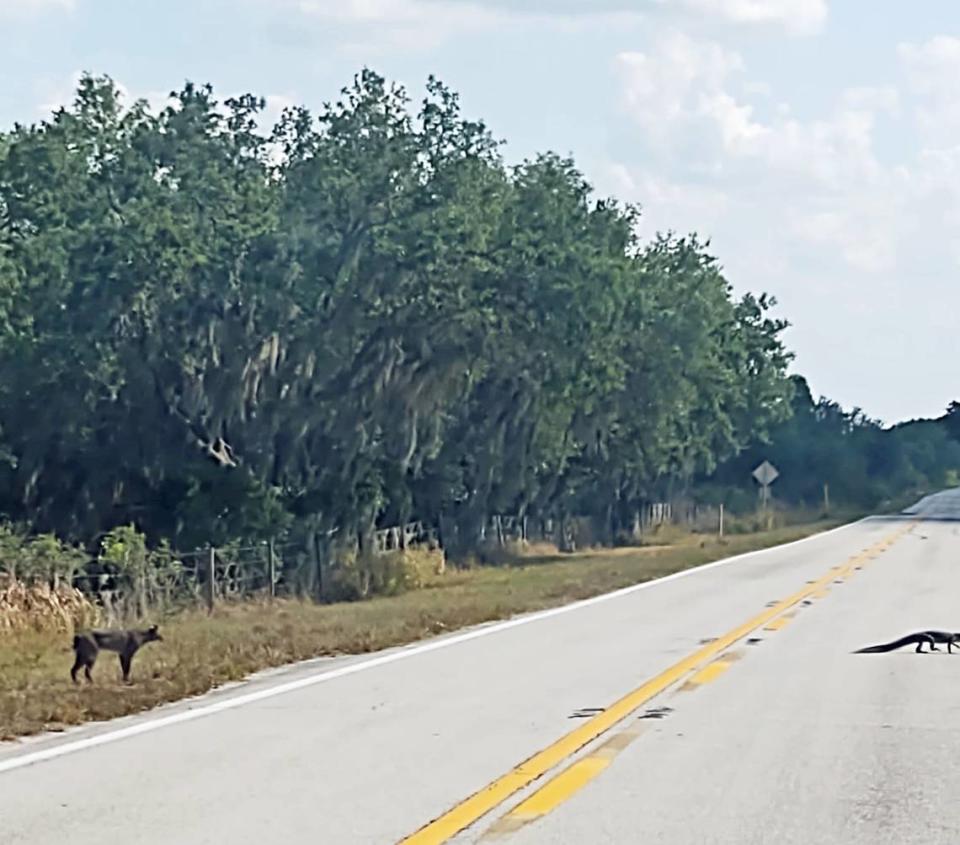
{"x": 40, "y": 607}
{"x": 202, "y": 651}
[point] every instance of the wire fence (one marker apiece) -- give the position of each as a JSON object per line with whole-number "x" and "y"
{"x": 175, "y": 580}
{"x": 313, "y": 567}
{"x": 171, "y": 580}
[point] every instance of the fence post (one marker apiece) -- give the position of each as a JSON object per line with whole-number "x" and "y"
{"x": 318, "y": 559}
{"x": 211, "y": 579}
{"x": 272, "y": 569}
{"x": 142, "y": 594}
{"x": 721, "y": 520}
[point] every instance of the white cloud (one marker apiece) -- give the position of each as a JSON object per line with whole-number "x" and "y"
{"x": 932, "y": 70}
{"x": 24, "y": 8}
{"x": 797, "y": 16}
{"x": 809, "y": 184}
{"x": 802, "y": 17}
{"x": 932, "y": 66}
{"x": 863, "y": 230}
{"x": 275, "y": 106}
{"x": 421, "y": 24}
{"x": 882, "y": 99}
{"x": 663, "y": 89}
{"x": 387, "y": 11}
{"x": 664, "y": 202}
{"x": 686, "y": 88}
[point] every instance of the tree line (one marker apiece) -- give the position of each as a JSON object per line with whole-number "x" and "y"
{"x": 221, "y": 332}
{"x": 860, "y": 462}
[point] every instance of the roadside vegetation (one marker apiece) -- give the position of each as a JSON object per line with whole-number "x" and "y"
{"x": 201, "y": 651}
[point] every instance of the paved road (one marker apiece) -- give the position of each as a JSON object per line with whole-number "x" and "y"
{"x": 787, "y": 739}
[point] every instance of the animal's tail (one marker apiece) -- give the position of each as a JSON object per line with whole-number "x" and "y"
{"x": 884, "y": 647}
{"x": 76, "y": 642}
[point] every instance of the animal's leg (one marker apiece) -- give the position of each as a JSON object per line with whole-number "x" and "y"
{"x": 125, "y": 661}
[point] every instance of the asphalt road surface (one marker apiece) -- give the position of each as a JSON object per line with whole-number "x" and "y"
{"x": 721, "y": 706}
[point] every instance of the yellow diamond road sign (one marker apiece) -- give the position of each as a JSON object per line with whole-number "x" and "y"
{"x": 766, "y": 473}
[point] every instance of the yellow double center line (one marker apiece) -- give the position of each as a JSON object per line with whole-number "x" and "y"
{"x": 491, "y": 796}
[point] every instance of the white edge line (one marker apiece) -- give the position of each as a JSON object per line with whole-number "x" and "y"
{"x": 21, "y": 760}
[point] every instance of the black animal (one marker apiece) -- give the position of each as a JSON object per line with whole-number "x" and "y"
{"x": 920, "y": 637}
{"x": 87, "y": 645}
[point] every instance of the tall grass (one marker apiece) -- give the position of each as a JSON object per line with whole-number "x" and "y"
{"x": 42, "y": 607}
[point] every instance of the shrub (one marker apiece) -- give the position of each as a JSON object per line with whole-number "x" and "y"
{"x": 388, "y": 574}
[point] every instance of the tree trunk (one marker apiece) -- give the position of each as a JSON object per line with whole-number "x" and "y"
{"x": 470, "y": 531}
{"x": 498, "y": 525}
{"x": 567, "y": 542}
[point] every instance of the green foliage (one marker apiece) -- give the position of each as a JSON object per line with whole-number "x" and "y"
{"x": 143, "y": 578}
{"x": 40, "y": 557}
{"x": 223, "y": 333}
{"x": 864, "y": 464}
{"x": 124, "y": 552}
{"x": 951, "y": 420}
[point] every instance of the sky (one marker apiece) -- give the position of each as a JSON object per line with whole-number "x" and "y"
{"x": 815, "y": 143}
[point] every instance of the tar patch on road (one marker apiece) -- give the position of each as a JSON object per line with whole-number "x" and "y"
{"x": 586, "y": 712}
{"x": 656, "y": 713}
